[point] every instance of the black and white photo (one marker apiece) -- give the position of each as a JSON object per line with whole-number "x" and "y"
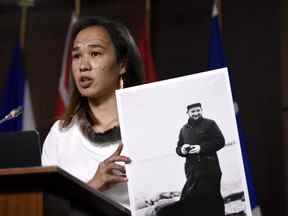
{"x": 181, "y": 136}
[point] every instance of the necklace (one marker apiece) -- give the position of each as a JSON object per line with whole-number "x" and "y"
{"x": 110, "y": 124}
{"x": 103, "y": 137}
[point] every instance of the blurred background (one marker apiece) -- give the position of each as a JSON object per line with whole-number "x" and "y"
{"x": 255, "y": 40}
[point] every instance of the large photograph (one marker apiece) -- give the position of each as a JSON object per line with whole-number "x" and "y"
{"x": 182, "y": 138}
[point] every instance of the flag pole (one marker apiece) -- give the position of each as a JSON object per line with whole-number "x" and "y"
{"x": 24, "y": 4}
{"x": 219, "y": 5}
{"x": 77, "y": 8}
{"x": 148, "y": 20}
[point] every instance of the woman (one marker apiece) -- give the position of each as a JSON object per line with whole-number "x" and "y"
{"x": 87, "y": 142}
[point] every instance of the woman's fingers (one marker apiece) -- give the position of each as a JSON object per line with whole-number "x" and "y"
{"x": 114, "y": 179}
{"x": 117, "y": 151}
{"x": 119, "y": 158}
{"x": 111, "y": 171}
{"x": 116, "y": 169}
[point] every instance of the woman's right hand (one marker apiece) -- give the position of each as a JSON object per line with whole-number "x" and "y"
{"x": 109, "y": 172}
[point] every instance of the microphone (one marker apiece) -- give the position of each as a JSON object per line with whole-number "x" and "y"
{"x": 12, "y": 114}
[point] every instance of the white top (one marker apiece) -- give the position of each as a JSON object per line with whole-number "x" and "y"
{"x": 70, "y": 150}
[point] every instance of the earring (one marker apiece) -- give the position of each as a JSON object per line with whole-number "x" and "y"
{"x": 121, "y": 82}
{"x": 122, "y": 72}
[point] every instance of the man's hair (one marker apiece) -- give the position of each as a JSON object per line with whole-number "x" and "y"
{"x": 126, "y": 52}
{"x": 190, "y": 106}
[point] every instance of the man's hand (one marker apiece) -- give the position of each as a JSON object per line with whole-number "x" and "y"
{"x": 109, "y": 172}
{"x": 195, "y": 149}
{"x": 185, "y": 148}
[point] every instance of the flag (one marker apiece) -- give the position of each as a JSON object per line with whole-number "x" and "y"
{"x": 217, "y": 59}
{"x": 150, "y": 74}
{"x": 16, "y": 93}
{"x": 63, "y": 88}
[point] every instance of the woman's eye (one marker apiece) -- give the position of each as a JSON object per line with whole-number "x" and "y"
{"x": 75, "y": 56}
{"x": 94, "y": 54}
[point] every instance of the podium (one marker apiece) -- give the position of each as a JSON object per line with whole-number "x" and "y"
{"x": 45, "y": 191}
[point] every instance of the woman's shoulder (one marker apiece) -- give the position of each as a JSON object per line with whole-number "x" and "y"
{"x": 59, "y": 134}
{"x": 58, "y": 127}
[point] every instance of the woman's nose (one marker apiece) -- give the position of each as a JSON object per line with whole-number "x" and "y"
{"x": 85, "y": 64}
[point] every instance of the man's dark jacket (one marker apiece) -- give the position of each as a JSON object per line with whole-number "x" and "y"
{"x": 202, "y": 169}
{"x": 206, "y": 133}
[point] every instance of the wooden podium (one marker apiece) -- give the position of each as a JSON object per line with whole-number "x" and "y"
{"x": 45, "y": 191}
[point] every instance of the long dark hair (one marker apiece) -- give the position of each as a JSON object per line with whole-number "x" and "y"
{"x": 126, "y": 50}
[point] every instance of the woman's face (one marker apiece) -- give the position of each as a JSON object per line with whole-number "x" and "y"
{"x": 94, "y": 63}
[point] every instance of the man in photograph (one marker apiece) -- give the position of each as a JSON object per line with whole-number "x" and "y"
{"x": 199, "y": 140}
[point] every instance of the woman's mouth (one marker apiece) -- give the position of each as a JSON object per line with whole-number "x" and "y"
{"x": 85, "y": 82}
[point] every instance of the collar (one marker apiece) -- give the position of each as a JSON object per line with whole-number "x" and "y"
{"x": 192, "y": 122}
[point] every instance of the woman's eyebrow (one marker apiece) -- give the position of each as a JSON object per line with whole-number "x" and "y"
{"x": 95, "y": 46}
{"x": 76, "y": 48}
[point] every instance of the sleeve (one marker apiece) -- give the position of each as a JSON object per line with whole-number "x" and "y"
{"x": 49, "y": 150}
{"x": 180, "y": 143}
{"x": 215, "y": 140}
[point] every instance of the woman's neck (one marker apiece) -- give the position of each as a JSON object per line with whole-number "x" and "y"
{"x": 105, "y": 111}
